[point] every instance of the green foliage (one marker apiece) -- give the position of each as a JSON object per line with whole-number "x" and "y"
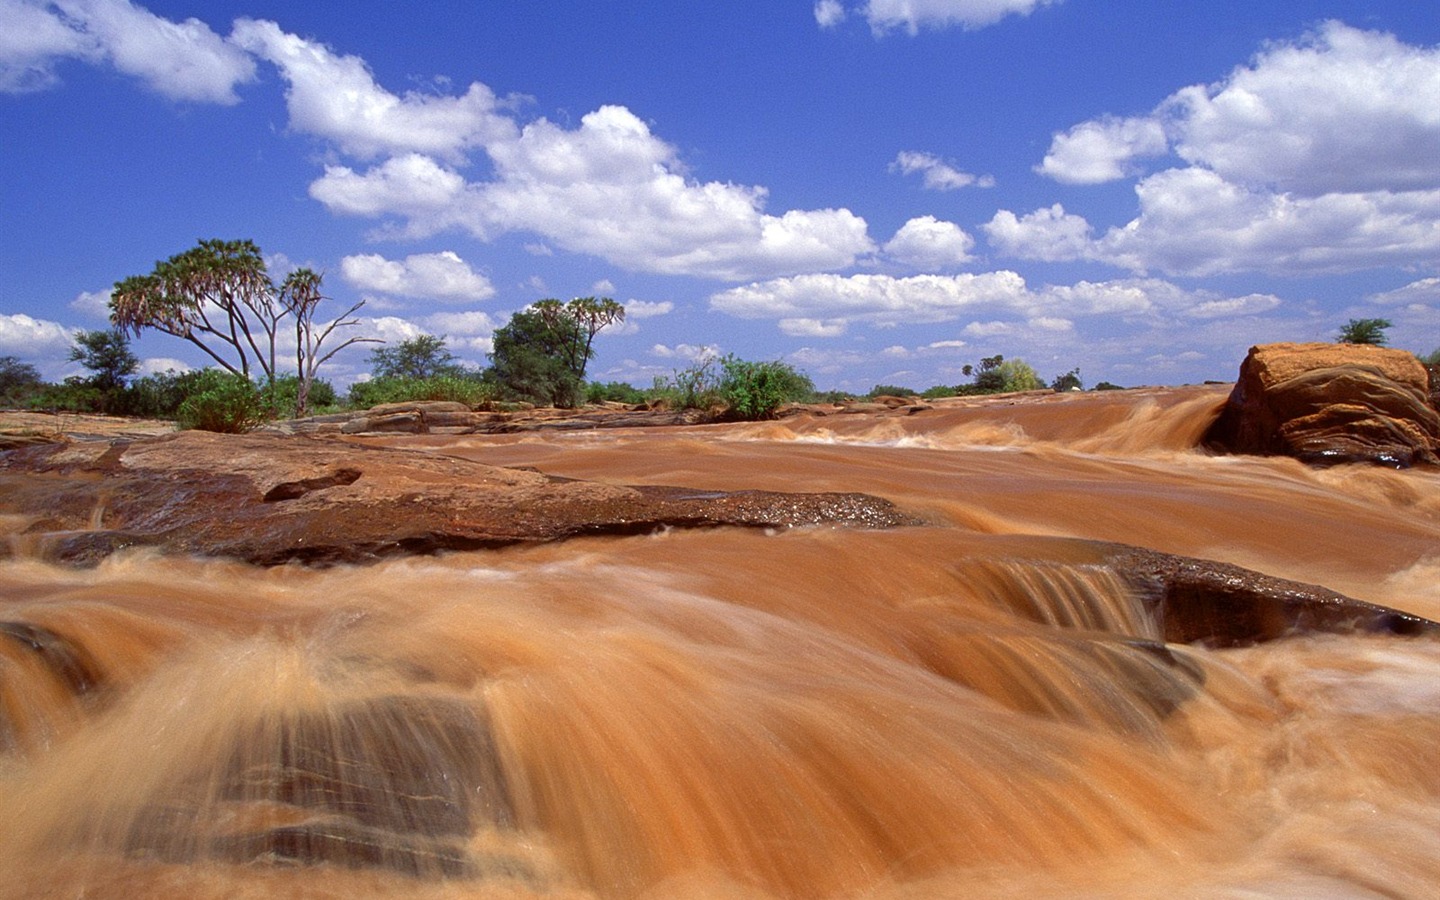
{"x": 416, "y": 359}
{"x": 281, "y": 399}
{"x": 1108, "y": 386}
{"x": 1019, "y": 376}
{"x": 938, "y": 391}
{"x": 574, "y": 325}
{"x": 73, "y": 395}
{"x": 216, "y": 295}
{"x": 224, "y": 402}
{"x": 467, "y": 388}
{"x": 889, "y": 390}
{"x": 990, "y": 380}
{"x": 540, "y": 355}
{"x": 833, "y": 397}
{"x": 219, "y": 297}
{"x": 695, "y": 387}
{"x": 106, "y": 354}
{"x": 531, "y": 361}
{"x": 159, "y": 396}
{"x": 19, "y": 381}
{"x": 1431, "y": 359}
{"x": 1364, "y": 331}
{"x": 614, "y": 392}
{"x": 1070, "y": 381}
{"x": 756, "y": 390}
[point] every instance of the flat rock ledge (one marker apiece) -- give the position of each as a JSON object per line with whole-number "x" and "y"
{"x": 270, "y": 499}
{"x": 1223, "y": 605}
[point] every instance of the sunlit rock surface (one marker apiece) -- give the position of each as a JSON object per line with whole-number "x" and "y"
{"x": 1330, "y": 403}
{"x": 270, "y": 499}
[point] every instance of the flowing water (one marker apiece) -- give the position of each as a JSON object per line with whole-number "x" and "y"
{"x": 971, "y": 708}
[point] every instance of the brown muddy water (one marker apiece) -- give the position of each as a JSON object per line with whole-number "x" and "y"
{"x": 964, "y": 709}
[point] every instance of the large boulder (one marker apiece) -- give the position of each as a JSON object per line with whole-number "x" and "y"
{"x": 1330, "y": 403}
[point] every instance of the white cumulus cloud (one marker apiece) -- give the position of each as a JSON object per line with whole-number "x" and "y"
{"x": 1318, "y": 156}
{"x": 935, "y": 173}
{"x": 25, "y": 337}
{"x": 181, "y": 60}
{"x": 1103, "y": 150}
{"x": 929, "y": 243}
{"x": 335, "y": 97}
{"x": 434, "y": 276}
{"x": 648, "y": 309}
{"x": 913, "y": 15}
{"x": 829, "y": 13}
{"x": 609, "y": 188}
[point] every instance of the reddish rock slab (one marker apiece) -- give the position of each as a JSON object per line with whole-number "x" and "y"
{"x": 1328, "y": 404}
{"x": 270, "y": 499}
{"x": 1223, "y": 605}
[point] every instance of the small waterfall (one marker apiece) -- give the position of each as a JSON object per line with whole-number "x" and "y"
{"x": 1060, "y": 595}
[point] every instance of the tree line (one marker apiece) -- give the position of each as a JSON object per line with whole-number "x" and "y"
{"x": 220, "y": 297}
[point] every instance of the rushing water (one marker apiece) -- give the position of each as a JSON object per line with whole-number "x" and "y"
{"x": 965, "y": 709}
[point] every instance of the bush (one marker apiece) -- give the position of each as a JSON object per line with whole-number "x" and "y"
{"x": 1107, "y": 386}
{"x": 73, "y": 395}
{"x": 282, "y": 399}
{"x": 1070, "y": 381}
{"x": 229, "y": 404}
{"x": 939, "y": 391}
{"x": 889, "y": 390}
{"x": 695, "y": 387}
{"x": 755, "y": 390}
{"x": 468, "y": 389}
{"x": 613, "y": 392}
{"x": 19, "y": 381}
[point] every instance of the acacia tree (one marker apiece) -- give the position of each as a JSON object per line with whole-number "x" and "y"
{"x": 299, "y": 296}
{"x": 423, "y": 356}
{"x": 107, "y": 354}
{"x": 1364, "y": 331}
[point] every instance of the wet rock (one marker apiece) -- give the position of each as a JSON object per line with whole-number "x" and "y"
{"x": 400, "y": 783}
{"x": 67, "y": 661}
{"x": 408, "y": 765}
{"x": 1221, "y": 605}
{"x": 1330, "y": 403}
{"x": 269, "y": 499}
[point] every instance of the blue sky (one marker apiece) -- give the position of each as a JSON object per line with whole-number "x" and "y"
{"x": 876, "y": 192}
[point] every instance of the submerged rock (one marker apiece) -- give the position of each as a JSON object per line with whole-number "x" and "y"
{"x": 1330, "y": 403}
{"x": 270, "y": 499}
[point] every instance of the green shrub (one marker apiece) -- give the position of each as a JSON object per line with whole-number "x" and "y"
{"x": 695, "y": 387}
{"x": 755, "y": 390}
{"x": 889, "y": 390}
{"x": 229, "y": 404}
{"x": 613, "y": 392}
{"x": 1107, "y": 386}
{"x": 939, "y": 391}
{"x": 468, "y": 389}
{"x": 72, "y": 395}
{"x": 1070, "y": 381}
{"x": 1019, "y": 376}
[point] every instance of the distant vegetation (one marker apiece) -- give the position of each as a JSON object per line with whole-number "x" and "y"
{"x": 219, "y": 297}
{"x": 539, "y": 359}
